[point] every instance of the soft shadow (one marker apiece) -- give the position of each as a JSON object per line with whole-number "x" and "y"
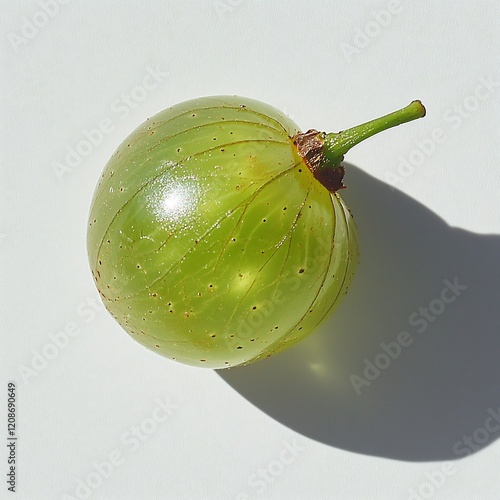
{"x": 441, "y": 387}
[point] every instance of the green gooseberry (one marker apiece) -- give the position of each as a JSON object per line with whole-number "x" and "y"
{"x": 217, "y": 236}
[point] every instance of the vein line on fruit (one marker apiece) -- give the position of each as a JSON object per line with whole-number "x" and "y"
{"x": 171, "y": 164}
{"x": 346, "y": 272}
{"x": 228, "y": 239}
{"x": 165, "y": 241}
{"x": 197, "y": 127}
{"x": 245, "y": 109}
{"x": 323, "y": 280}
{"x": 161, "y": 124}
{"x": 244, "y": 203}
{"x": 290, "y": 232}
{"x": 238, "y": 222}
{"x": 225, "y": 145}
{"x": 278, "y": 129}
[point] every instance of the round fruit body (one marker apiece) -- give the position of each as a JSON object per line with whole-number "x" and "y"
{"x": 210, "y": 240}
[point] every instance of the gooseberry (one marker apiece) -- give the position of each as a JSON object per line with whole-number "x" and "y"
{"x": 217, "y": 235}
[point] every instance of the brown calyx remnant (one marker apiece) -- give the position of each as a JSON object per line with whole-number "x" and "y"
{"x": 310, "y": 146}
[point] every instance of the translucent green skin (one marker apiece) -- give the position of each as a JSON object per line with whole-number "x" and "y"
{"x": 209, "y": 239}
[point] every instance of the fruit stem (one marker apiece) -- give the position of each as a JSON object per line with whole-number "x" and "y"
{"x": 336, "y": 145}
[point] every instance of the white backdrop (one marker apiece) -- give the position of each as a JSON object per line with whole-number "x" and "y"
{"x": 338, "y": 416}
